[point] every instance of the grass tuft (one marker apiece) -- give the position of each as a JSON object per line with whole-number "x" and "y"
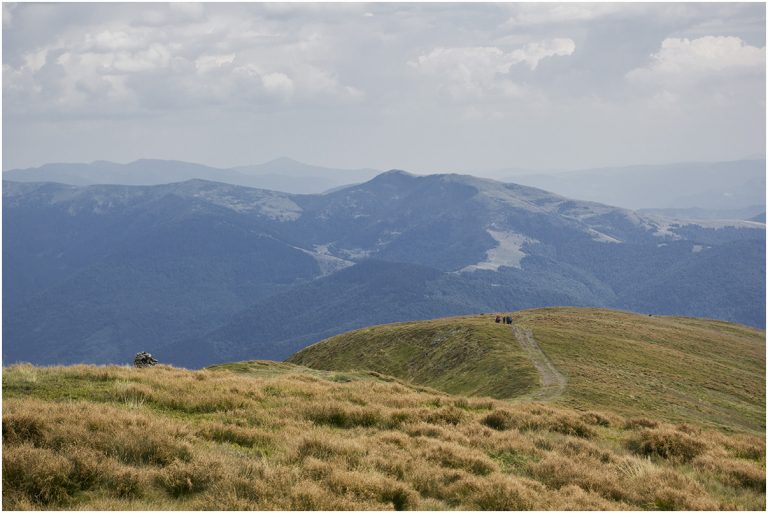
{"x": 668, "y": 444}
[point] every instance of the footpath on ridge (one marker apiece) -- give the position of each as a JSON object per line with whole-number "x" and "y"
{"x": 552, "y": 382}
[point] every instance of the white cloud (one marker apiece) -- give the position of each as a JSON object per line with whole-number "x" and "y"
{"x": 539, "y": 14}
{"x": 681, "y": 62}
{"x": 176, "y": 54}
{"x": 278, "y": 84}
{"x": 206, "y": 63}
{"x": 533, "y": 53}
{"x": 8, "y": 9}
{"x": 122, "y": 80}
{"x": 482, "y": 70}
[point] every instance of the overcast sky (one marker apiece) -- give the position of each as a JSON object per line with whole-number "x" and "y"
{"x": 423, "y": 87}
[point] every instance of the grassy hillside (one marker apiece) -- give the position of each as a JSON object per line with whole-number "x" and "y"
{"x": 259, "y": 435}
{"x": 460, "y": 355}
{"x": 671, "y": 368}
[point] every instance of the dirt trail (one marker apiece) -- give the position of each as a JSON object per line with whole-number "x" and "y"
{"x": 552, "y": 382}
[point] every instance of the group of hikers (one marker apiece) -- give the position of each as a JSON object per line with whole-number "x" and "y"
{"x": 507, "y": 319}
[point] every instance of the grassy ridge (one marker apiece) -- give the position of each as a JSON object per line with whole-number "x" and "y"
{"x": 672, "y": 368}
{"x": 669, "y": 368}
{"x": 272, "y": 436}
{"x": 459, "y": 355}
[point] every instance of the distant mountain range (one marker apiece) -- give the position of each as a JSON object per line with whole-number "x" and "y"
{"x": 201, "y": 272}
{"x": 710, "y": 190}
{"x": 697, "y": 186}
{"x": 281, "y": 174}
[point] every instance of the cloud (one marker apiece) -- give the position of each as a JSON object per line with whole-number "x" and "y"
{"x": 486, "y": 82}
{"x": 176, "y": 54}
{"x": 681, "y": 62}
{"x": 8, "y": 9}
{"x": 482, "y": 70}
{"x": 206, "y": 63}
{"x": 533, "y": 53}
{"x": 278, "y": 84}
{"x": 543, "y": 14}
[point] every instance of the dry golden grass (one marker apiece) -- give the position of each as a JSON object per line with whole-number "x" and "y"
{"x": 101, "y": 438}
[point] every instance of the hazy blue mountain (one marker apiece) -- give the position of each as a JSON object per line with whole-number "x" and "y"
{"x": 288, "y": 169}
{"x": 202, "y": 271}
{"x": 376, "y": 292}
{"x": 281, "y": 174}
{"x": 707, "y": 185}
{"x": 748, "y": 213}
{"x": 759, "y": 218}
{"x": 139, "y": 172}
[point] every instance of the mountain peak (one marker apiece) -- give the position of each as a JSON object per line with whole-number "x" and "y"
{"x": 394, "y": 174}
{"x": 284, "y": 161}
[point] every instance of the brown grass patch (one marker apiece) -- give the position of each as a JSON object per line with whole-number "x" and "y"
{"x": 668, "y": 444}
{"x": 147, "y": 440}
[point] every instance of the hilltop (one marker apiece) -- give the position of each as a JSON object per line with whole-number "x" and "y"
{"x": 266, "y": 435}
{"x": 460, "y": 355}
{"x": 675, "y": 369}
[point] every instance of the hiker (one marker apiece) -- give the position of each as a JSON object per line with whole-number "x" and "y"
{"x": 498, "y": 318}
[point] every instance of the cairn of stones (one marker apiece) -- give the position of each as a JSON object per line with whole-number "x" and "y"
{"x": 144, "y": 359}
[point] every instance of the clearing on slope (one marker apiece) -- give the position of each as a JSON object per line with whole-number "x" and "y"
{"x": 672, "y": 368}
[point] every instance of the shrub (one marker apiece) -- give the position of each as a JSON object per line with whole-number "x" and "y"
{"x": 142, "y": 448}
{"x": 180, "y": 478}
{"x": 309, "y": 496}
{"x": 343, "y": 417}
{"x": 132, "y": 394}
{"x": 595, "y": 419}
{"x": 669, "y": 490}
{"x": 688, "y": 429}
{"x": 736, "y": 473}
{"x": 499, "y": 420}
{"x": 401, "y": 497}
{"x": 667, "y": 443}
{"x": 570, "y": 426}
{"x": 458, "y": 457}
{"x": 87, "y": 466}
{"x": 640, "y": 422}
{"x": 537, "y": 419}
{"x": 123, "y": 482}
{"x": 506, "y": 494}
{"x": 450, "y": 415}
{"x": 328, "y": 449}
{"x": 745, "y": 446}
{"x": 19, "y": 428}
{"x": 40, "y": 475}
{"x": 574, "y": 498}
{"x": 557, "y": 471}
{"x": 244, "y": 437}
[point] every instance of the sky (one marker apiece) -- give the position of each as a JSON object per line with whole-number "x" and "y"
{"x": 421, "y": 87}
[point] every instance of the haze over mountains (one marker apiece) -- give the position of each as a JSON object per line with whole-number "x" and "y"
{"x": 698, "y": 190}
{"x": 199, "y": 272}
{"x": 693, "y": 190}
{"x": 282, "y": 174}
